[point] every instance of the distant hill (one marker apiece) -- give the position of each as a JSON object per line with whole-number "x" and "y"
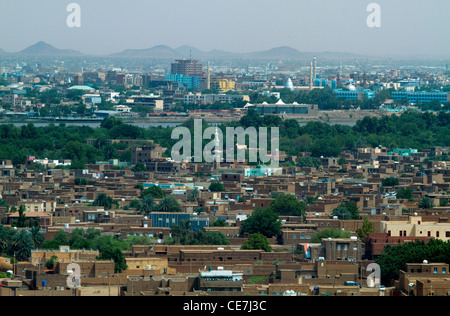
{"x": 283, "y": 52}
{"x": 190, "y": 51}
{"x": 44, "y": 49}
{"x": 277, "y": 53}
{"x": 186, "y": 51}
{"x": 160, "y": 51}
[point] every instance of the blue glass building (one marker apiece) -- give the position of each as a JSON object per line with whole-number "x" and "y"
{"x": 420, "y": 96}
{"x": 186, "y": 81}
{"x": 354, "y": 94}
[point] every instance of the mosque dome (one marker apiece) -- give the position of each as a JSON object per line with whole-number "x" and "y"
{"x": 289, "y": 84}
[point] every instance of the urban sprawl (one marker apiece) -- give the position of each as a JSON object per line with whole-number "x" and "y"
{"x": 93, "y": 203}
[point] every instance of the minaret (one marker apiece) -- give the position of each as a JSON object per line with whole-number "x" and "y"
{"x": 208, "y": 78}
{"x": 314, "y": 68}
{"x": 338, "y": 79}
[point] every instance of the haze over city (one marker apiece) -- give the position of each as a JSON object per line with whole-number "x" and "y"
{"x": 413, "y": 28}
{"x": 199, "y": 150}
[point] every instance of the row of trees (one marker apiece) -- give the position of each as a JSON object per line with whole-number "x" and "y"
{"x": 18, "y": 244}
{"x": 394, "y": 258}
{"x": 70, "y": 142}
{"x": 409, "y": 130}
{"x": 110, "y": 247}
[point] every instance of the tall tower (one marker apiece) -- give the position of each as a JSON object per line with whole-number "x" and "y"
{"x": 338, "y": 79}
{"x": 208, "y": 78}
{"x": 311, "y": 77}
{"x": 314, "y": 68}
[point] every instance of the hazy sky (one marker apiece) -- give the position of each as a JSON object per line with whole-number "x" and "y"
{"x": 411, "y": 27}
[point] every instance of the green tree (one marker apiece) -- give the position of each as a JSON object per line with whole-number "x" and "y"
{"x": 115, "y": 254}
{"x": 111, "y": 248}
{"x": 308, "y": 162}
{"x": 216, "y": 187}
{"x": 394, "y": 258}
{"x": 257, "y": 241}
{"x": 341, "y": 212}
{"x": 50, "y": 263}
{"x": 139, "y": 167}
{"x": 390, "y": 182}
{"x": 347, "y": 210}
{"x": 193, "y": 195}
{"x": 367, "y": 227}
{"x": 146, "y": 206}
{"x": 405, "y": 193}
{"x": 37, "y": 237}
{"x": 22, "y": 245}
{"x": 111, "y": 122}
{"x": 262, "y": 221}
{"x": 154, "y": 192}
{"x": 184, "y": 235}
{"x": 169, "y": 204}
{"x": 219, "y": 223}
{"x": 426, "y": 203}
{"x": 342, "y": 161}
{"x": 6, "y": 235}
{"x": 51, "y": 244}
{"x": 62, "y": 238}
{"x": 106, "y": 201}
{"x": 287, "y": 204}
{"x": 81, "y": 181}
{"x": 22, "y": 219}
{"x": 78, "y": 240}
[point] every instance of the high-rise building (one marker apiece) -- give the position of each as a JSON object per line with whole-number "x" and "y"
{"x": 187, "y": 67}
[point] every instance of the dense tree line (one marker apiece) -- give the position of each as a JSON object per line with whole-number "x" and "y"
{"x": 408, "y": 130}
{"x": 70, "y": 142}
{"x": 394, "y": 258}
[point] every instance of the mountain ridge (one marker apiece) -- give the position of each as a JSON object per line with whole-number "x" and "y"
{"x": 41, "y": 48}
{"x": 44, "y": 49}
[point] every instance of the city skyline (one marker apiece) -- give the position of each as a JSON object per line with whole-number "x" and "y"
{"x": 416, "y": 29}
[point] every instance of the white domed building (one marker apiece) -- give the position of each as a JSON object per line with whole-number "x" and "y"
{"x": 289, "y": 85}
